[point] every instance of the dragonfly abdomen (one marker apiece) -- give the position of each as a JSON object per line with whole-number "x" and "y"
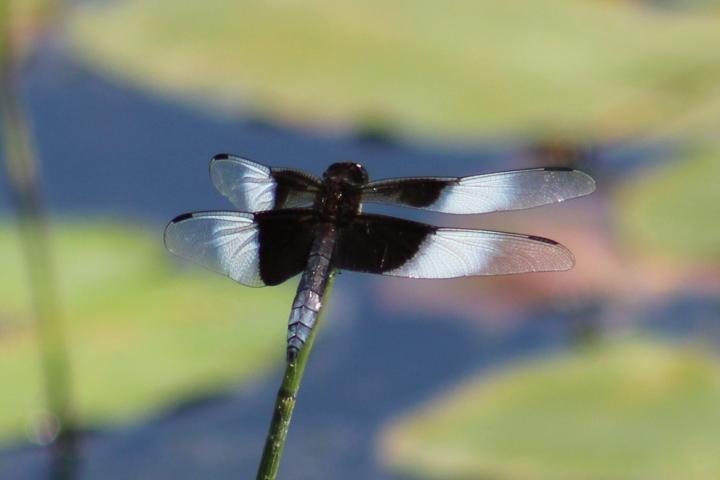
{"x": 311, "y": 290}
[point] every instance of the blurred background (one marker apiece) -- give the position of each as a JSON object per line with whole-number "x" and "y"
{"x": 118, "y": 361}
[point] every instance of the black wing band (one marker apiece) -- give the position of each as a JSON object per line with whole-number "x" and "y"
{"x": 379, "y": 244}
{"x": 286, "y": 237}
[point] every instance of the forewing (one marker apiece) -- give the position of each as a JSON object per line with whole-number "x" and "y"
{"x": 512, "y": 190}
{"x": 253, "y": 249}
{"x": 390, "y": 246}
{"x": 253, "y": 187}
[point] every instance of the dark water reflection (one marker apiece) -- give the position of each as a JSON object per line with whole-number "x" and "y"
{"x": 109, "y": 151}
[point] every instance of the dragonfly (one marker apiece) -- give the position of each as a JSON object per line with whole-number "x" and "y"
{"x": 291, "y": 222}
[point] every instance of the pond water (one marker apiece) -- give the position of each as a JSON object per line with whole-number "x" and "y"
{"x": 112, "y": 152}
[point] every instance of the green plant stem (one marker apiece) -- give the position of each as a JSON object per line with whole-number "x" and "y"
{"x": 22, "y": 167}
{"x": 285, "y": 404}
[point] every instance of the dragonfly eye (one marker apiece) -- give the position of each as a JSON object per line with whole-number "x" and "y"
{"x": 360, "y": 174}
{"x": 349, "y": 172}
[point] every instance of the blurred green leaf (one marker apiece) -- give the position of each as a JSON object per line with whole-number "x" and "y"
{"x": 607, "y": 68}
{"x": 674, "y": 210}
{"x": 625, "y": 411}
{"x": 143, "y": 333}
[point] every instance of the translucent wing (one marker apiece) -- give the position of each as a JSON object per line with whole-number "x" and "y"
{"x": 259, "y": 249}
{"x": 226, "y": 242}
{"x": 450, "y": 253}
{"x": 391, "y": 246}
{"x": 253, "y": 187}
{"x": 512, "y": 190}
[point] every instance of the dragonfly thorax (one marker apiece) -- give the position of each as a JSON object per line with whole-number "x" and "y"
{"x": 338, "y": 200}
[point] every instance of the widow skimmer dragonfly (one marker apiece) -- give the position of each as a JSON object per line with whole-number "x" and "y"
{"x": 291, "y": 222}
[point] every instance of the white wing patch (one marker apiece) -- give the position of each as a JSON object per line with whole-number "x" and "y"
{"x": 226, "y": 242}
{"x": 450, "y": 253}
{"x": 248, "y": 185}
{"x": 512, "y": 190}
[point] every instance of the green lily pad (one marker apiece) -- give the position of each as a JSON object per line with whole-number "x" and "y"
{"x": 143, "y": 331}
{"x": 498, "y": 67}
{"x": 674, "y": 210}
{"x": 624, "y": 411}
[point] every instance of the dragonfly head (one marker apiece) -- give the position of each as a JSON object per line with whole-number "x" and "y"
{"x": 347, "y": 172}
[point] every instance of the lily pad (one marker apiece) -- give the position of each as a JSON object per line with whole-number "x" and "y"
{"x": 673, "y": 211}
{"x": 628, "y": 410}
{"x": 497, "y": 67}
{"x": 143, "y": 331}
